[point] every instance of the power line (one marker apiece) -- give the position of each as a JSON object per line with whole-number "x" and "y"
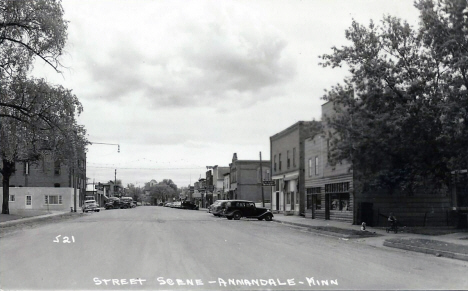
{"x": 144, "y": 168}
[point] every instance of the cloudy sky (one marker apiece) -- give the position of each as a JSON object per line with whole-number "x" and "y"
{"x": 181, "y": 85}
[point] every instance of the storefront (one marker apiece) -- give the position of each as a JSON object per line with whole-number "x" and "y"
{"x": 285, "y": 198}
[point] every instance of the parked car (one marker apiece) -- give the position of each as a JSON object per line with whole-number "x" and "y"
{"x": 127, "y": 202}
{"x": 189, "y": 205}
{"x": 235, "y": 209}
{"x": 168, "y": 204}
{"x": 113, "y": 203}
{"x": 176, "y": 204}
{"x": 217, "y": 208}
{"x": 90, "y": 205}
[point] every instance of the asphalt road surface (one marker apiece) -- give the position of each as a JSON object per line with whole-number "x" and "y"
{"x": 157, "y": 248}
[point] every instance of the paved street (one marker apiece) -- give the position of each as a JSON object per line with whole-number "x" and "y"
{"x": 173, "y": 249}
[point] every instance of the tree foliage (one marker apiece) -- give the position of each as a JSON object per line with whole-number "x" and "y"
{"x": 164, "y": 190}
{"x": 36, "y": 118}
{"x": 402, "y": 116}
{"x": 29, "y": 29}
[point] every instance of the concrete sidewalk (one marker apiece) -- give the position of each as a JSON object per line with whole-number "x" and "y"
{"x": 454, "y": 244}
{"x": 28, "y": 216}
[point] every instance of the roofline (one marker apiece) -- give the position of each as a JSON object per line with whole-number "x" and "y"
{"x": 289, "y": 129}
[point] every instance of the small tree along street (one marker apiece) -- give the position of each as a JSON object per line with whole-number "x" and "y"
{"x": 403, "y": 114}
{"x": 37, "y": 119}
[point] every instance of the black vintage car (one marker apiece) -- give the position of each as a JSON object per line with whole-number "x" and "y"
{"x": 113, "y": 203}
{"x": 243, "y": 208}
{"x": 189, "y": 205}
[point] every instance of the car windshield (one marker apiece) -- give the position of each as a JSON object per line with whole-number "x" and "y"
{"x": 90, "y": 202}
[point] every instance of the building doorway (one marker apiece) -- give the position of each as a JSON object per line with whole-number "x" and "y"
{"x": 28, "y": 202}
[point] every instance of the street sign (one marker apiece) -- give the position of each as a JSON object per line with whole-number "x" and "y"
{"x": 268, "y": 183}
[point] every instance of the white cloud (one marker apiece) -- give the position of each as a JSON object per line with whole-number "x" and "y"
{"x": 185, "y": 84}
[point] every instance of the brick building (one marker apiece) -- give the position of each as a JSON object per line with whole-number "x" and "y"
{"x": 49, "y": 173}
{"x": 329, "y": 188}
{"x": 245, "y": 180}
{"x": 287, "y": 158}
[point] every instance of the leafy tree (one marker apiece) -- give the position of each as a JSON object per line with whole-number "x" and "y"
{"x": 29, "y": 29}
{"x": 43, "y": 123}
{"x": 164, "y": 190}
{"x": 401, "y": 118}
{"x": 135, "y": 192}
{"x": 36, "y": 118}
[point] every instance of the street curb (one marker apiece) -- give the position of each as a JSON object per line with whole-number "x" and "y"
{"x": 34, "y": 218}
{"x": 438, "y": 253}
{"x": 324, "y": 232}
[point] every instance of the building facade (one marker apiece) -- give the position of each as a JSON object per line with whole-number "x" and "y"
{"x": 245, "y": 180}
{"x": 50, "y": 173}
{"x": 218, "y": 181}
{"x": 329, "y": 188}
{"x": 287, "y": 164}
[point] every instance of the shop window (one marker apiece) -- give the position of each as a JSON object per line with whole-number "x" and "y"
{"x": 340, "y": 201}
{"x": 318, "y": 201}
{"x": 309, "y": 201}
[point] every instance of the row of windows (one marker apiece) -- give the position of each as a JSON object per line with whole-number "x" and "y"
{"x": 49, "y": 199}
{"x": 56, "y": 185}
{"x": 278, "y": 166}
{"x": 57, "y": 167}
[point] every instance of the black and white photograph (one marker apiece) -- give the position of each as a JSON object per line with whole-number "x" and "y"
{"x": 234, "y": 145}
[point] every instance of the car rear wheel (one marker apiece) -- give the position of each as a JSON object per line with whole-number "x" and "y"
{"x": 237, "y": 216}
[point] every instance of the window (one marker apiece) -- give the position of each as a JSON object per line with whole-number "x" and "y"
{"x": 340, "y": 202}
{"x": 279, "y": 157}
{"x": 28, "y": 200}
{"x": 294, "y": 157}
{"x": 310, "y": 167}
{"x": 288, "y": 159}
{"x": 26, "y": 168}
{"x": 309, "y": 201}
{"x": 12, "y": 198}
{"x": 57, "y": 168}
{"x": 53, "y": 199}
{"x": 274, "y": 163}
{"x": 316, "y": 165}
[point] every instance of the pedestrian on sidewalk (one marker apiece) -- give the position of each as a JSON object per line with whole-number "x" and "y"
{"x": 392, "y": 220}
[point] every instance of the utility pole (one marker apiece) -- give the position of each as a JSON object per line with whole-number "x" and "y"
{"x": 115, "y": 180}
{"x": 261, "y": 180}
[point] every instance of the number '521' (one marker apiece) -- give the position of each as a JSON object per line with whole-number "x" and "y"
{"x": 65, "y": 239}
